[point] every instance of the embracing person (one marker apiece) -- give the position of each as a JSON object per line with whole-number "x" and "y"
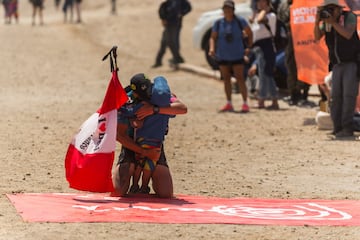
{"x": 139, "y": 93}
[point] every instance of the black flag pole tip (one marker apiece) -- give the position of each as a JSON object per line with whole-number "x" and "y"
{"x": 113, "y": 55}
{"x": 112, "y": 50}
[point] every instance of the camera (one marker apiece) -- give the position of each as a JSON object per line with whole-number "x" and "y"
{"x": 229, "y": 37}
{"x": 326, "y": 12}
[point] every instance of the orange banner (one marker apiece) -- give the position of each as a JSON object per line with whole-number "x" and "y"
{"x": 311, "y": 56}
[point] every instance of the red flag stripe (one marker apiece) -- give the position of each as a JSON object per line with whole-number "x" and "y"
{"x": 90, "y": 156}
{"x": 89, "y": 172}
{"x": 114, "y": 92}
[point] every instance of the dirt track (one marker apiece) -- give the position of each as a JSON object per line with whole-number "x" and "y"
{"x": 52, "y": 79}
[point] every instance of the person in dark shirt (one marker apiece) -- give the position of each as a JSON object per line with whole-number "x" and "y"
{"x": 339, "y": 29}
{"x": 171, "y": 13}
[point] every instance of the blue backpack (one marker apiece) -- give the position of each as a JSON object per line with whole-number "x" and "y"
{"x": 155, "y": 126}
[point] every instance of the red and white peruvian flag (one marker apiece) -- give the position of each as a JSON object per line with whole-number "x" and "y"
{"x": 90, "y": 155}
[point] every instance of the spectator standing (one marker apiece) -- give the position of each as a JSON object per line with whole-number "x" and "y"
{"x": 78, "y": 10}
{"x": 5, "y": 5}
{"x": 57, "y": 4}
{"x": 171, "y": 13}
{"x": 228, "y": 37}
{"x": 113, "y": 7}
{"x": 340, "y": 32}
{"x": 264, "y": 28}
{"x": 298, "y": 90}
{"x": 11, "y": 10}
{"x": 68, "y": 6}
{"x": 38, "y": 6}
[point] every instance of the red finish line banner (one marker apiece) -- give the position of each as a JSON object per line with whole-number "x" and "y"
{"x": 62, "y": 207}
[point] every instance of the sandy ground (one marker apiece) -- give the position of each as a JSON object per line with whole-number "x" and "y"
{"x": 52, "y": 78}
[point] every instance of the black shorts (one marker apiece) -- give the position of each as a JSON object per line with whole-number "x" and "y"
{"x": 230, "y": 63}
{"x": 127, "y": 155}
{"x": 38, "y": 3}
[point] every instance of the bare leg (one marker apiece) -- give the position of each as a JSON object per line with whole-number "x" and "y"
{"x": 226, "y": 74}
{"x": 41, "y": 16}
{"x": 145, "y": 181}
{"x": 78, "y": 12}
{"x": 33, "y": 15}
{"x": 239, "y": 75}
{"x": 121, "y": 178}
{"x": 71, "y": 13}
{"x": 162, "y": 182}
{"x": 113, "y": 6}
{"x": 135, "y": 180}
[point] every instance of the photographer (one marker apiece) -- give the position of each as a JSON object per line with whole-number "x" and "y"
{"x": 339, "y": 29}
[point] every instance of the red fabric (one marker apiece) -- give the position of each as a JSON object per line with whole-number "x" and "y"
{"x": 115, "y": 95}
{"x": 89, "y": 160}
{"x": 311, "y": 56}
{"x": 90, "y": 172}
{"x": 77, "y": 207}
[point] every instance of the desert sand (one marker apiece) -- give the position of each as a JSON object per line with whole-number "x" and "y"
{"x": 52, "y": 79}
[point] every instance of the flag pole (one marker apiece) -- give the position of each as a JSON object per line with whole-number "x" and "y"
{"x": 113, "y": 58}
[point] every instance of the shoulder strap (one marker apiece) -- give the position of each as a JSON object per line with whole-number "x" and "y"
{"x": 267, "y": 26}
{"x": 217, "y": 25}
{"x": 239, "y": 23}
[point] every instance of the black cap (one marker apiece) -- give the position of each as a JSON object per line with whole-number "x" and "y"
{"x": 141, "y": 85}
{"x": 229, "y": 3}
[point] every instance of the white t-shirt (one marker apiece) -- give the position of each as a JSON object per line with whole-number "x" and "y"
{"x": 260, "y": 31}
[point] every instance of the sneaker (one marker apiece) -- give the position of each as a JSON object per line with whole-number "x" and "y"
{"x": 179, "y": 60}
{"x": 245, "y": 108}
{"x": 145, "y": 190}
{"x": 176, "y": 61}
{"x": 227, "y": 108}
{"x": 134, "y": 189}
{"x": 273, "y": 107}
{"x": 261, "y": 104}
{"x": 344, "y": 134}
{"x": 156, "y": 65}
{"x": 287, "y": 99}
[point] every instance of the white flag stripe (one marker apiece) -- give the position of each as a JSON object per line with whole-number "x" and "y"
{"x": 97, "y": 134}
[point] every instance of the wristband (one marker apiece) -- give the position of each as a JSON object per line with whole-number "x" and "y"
{"x": 156, "y": 110}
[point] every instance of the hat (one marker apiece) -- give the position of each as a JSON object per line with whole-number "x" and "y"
{"x": 229, "y": 3}
{"x": 331, "y": 2}
{"x": 141, "y": 85}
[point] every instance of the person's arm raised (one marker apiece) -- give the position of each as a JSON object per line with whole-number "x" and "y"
{"x": 177, "y": 107}
{"x": 318, "y": 33}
